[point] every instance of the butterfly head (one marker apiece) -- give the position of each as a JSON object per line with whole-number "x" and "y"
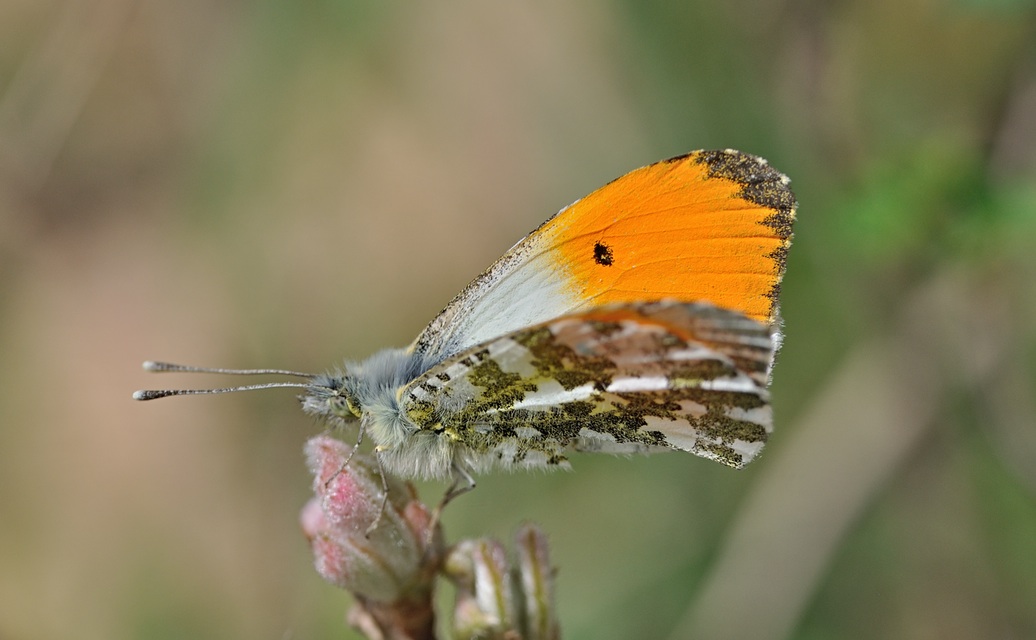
{"x": 332, "y": 396}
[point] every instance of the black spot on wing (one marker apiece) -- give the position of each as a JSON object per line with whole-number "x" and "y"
{"x": 603, "y": 254}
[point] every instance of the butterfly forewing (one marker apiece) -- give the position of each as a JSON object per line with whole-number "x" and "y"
{"x": 617, "y": 379}
{"x": 710, "y": 226}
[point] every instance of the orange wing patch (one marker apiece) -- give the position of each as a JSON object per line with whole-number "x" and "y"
{"x": 710, "y": 225}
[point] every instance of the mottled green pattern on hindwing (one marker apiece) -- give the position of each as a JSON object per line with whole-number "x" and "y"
{"x": 621, "y": 379}
{"x": 554, "y": 361}
{"x": 499, "y": 389}
{"x": 429, "y": 403}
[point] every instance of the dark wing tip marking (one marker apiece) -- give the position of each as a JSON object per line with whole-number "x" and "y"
{"x": 766, "y": 187}
{"x": 761, "y": 184}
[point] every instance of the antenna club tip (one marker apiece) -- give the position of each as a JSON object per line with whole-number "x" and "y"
{"x": 145, "y": 394}
{"x": 151, "y": 365}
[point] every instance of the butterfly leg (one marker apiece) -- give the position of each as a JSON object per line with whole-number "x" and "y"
{"x": 384, "y": 492}
{"x": 460, "y": 477}
{"x": 348, "y": 458}
{"x": 461, "y": 484}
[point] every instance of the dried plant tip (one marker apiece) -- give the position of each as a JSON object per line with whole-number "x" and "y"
{"x": 537, "y": 584}
{"x": 485, "y": 605}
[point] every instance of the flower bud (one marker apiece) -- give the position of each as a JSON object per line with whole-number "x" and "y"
{"x": 499, "y": 601}
{"x": 485, "y": 605}
{"x": 537, "y": 584}
{"x": 390, "y": 563}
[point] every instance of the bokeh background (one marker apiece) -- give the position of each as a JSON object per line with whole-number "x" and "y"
{"x": 292, "y": 183}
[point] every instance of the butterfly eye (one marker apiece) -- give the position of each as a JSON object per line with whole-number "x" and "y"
{"x": 354, "y": 408}
{"x": 344, "y": 406}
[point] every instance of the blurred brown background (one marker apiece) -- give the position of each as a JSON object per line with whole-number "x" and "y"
{"x": 291, "y": 183}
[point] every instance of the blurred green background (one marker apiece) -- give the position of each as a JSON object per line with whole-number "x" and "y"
{"x": 291, "y": 183}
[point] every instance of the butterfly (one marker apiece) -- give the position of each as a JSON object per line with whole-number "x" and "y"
{"x": 641, "y": 318}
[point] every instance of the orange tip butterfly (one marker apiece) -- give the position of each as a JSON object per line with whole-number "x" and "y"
{"x": 643, "y": 317}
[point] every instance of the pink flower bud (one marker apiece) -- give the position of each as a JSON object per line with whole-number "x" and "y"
{"x": 392, "y": 562}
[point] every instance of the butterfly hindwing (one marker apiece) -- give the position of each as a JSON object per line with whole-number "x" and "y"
{"x": 618, "y": 379}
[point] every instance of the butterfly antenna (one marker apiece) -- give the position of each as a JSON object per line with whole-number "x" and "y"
{"x": 165, "y": 367}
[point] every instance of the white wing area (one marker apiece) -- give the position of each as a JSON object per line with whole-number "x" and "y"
{"x": 523, "y": 288}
